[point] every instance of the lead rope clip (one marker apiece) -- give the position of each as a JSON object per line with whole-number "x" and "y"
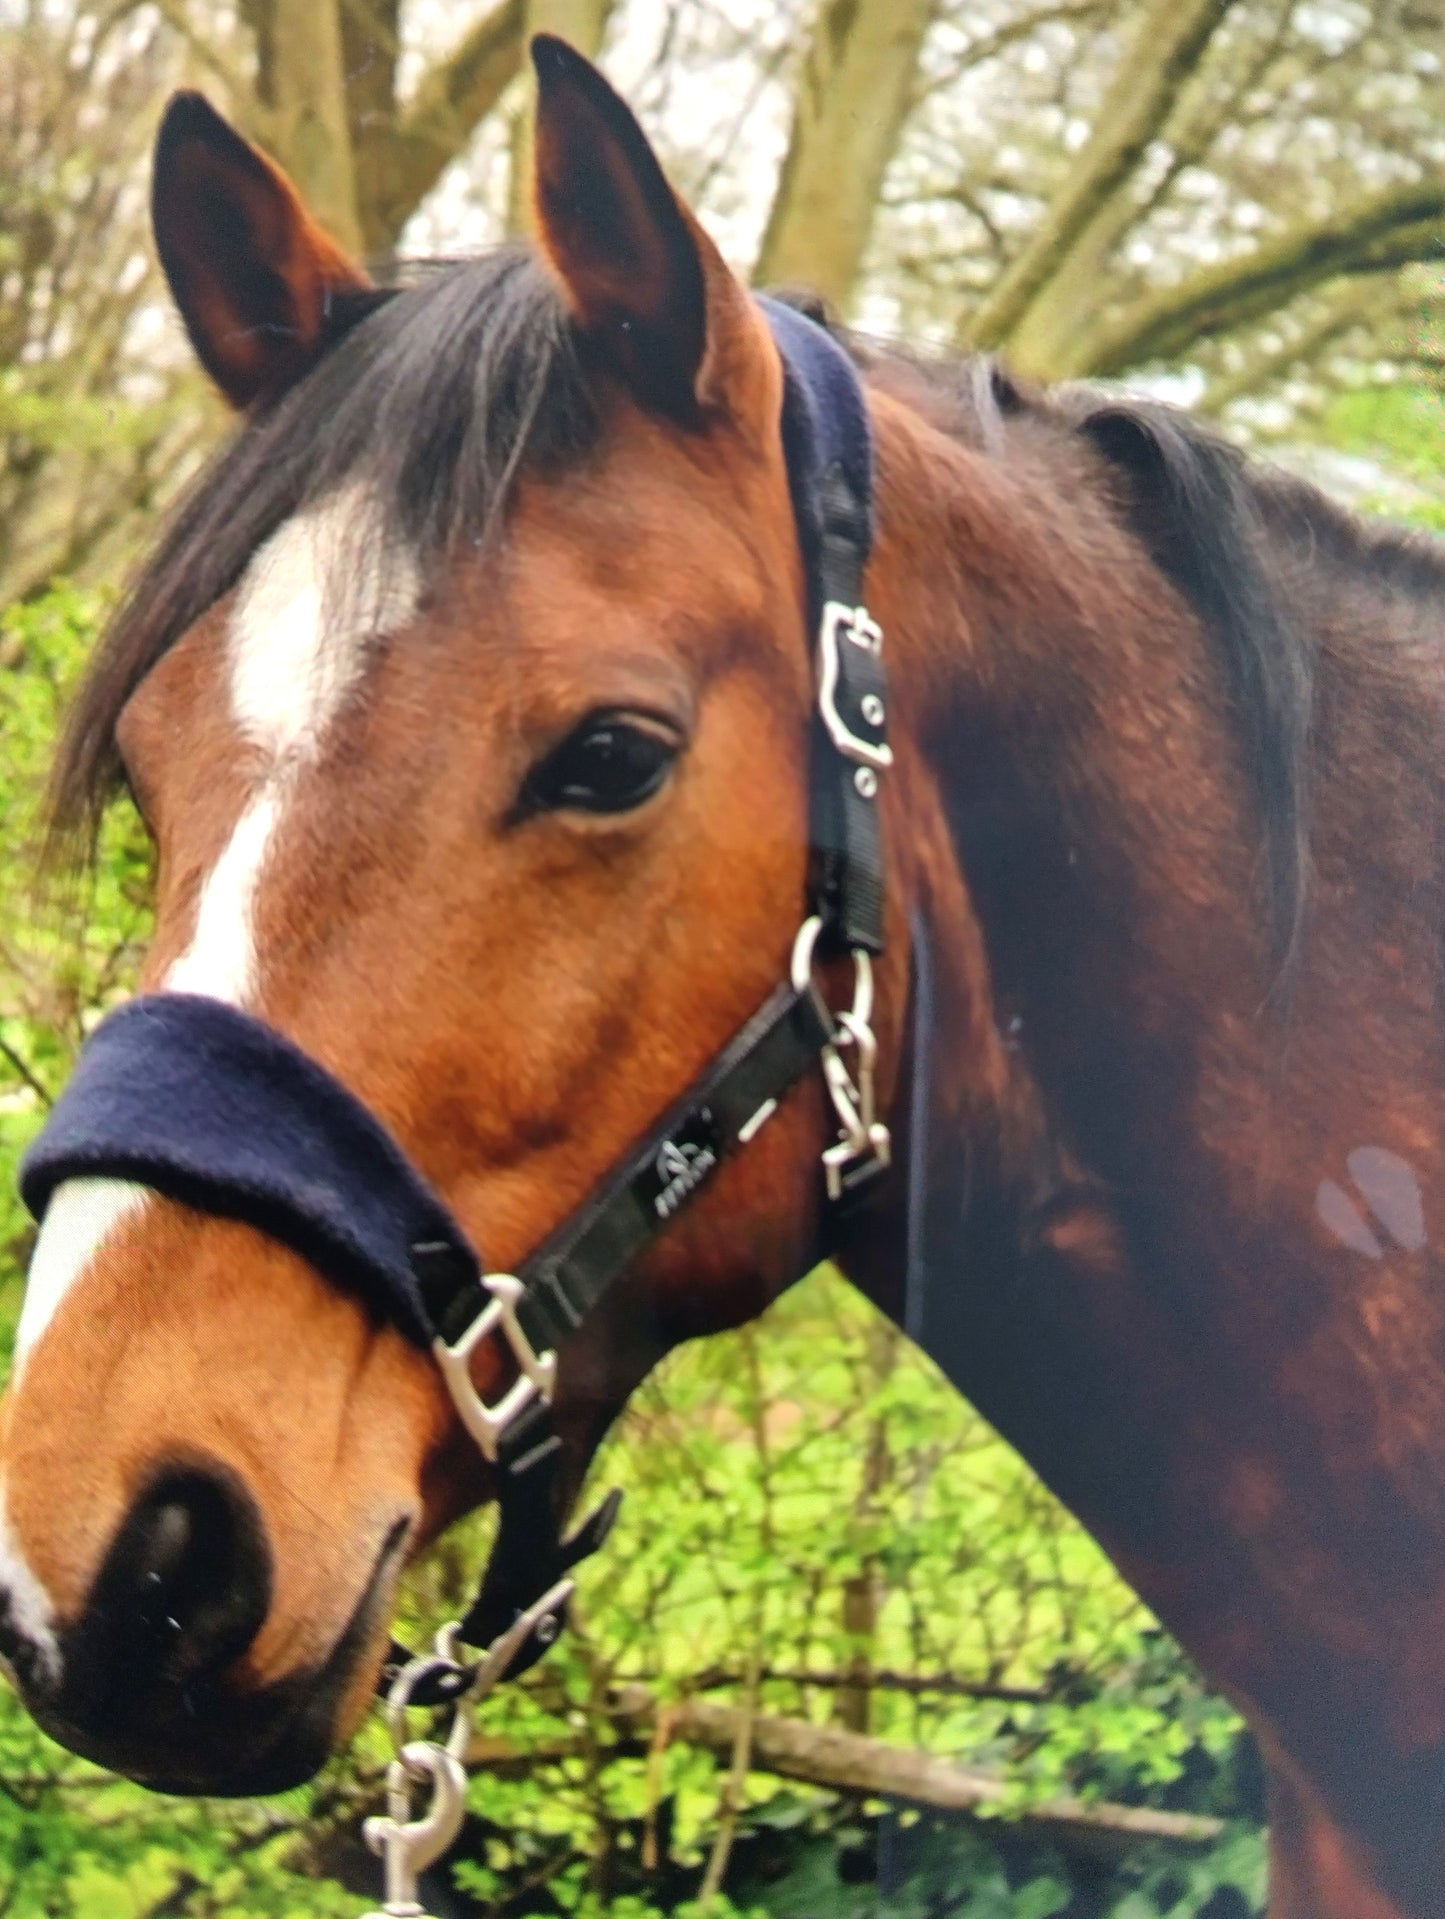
{"x": 407, "y": 1846}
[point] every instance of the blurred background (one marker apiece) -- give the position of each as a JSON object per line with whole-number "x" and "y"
{"x": 845, "y": 1656}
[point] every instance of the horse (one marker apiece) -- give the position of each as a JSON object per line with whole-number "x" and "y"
{"x": 468, "y": 700}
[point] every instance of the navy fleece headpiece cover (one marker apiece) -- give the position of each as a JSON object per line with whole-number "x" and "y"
{"x": 210, "y": 1107}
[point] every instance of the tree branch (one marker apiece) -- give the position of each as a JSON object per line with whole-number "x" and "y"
{"x": 1169, "y": 41}
{"x": 883, "y": 1680}
{"x": 740, "y": 1760}
{"x": 204, "y": 47}
{"x": 1356, "y": 303}
{"x": 21, "y": 1068}
{"x": 1385, "y": 231}
{"x": 851, "y": 1762}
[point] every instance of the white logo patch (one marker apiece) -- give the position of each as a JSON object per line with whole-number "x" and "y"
{"x": 680, "y": 1170}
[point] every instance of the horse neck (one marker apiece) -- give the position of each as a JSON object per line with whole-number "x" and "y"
{"x": 1120, "y": 1260}
{"x": 1081, "y": 837}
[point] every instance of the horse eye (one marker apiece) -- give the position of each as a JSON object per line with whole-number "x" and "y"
{"x": 609, "y": 765}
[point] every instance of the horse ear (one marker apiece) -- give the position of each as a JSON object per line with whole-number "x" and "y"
{"x": 645, "y": 285}
{"x": 256, "y": 280}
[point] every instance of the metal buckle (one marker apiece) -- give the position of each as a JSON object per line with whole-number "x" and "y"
{"x": 859, "y": 628}
{"x": 865, "y": 1146}
{"x": 536, "y": 1372}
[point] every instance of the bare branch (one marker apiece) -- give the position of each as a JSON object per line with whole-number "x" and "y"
{"x": 851, "y": 1762}
{"x": 1355, "y": 303}
{"x": 1378, "y": 234}
{"x": 1168, "y": 44}
{"x": 205, "y": 49}
{"x": 22, "y": 1069}
{"x": 883, "y": 1679}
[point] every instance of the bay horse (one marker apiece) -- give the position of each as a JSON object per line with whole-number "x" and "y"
{"x": 468, "y": 701}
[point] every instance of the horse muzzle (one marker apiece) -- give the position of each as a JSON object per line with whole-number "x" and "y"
{"x": 151, "y": 1679}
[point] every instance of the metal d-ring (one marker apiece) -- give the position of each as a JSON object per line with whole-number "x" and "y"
{"x": 801, "y": 969}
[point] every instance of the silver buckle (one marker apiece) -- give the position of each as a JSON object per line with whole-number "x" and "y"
{"x": 536, "y": 1372}
{"x": 856, "y": 625}
{"x": 864, "y": 1146}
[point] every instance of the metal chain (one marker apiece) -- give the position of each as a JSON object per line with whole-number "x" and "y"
{"x": 863, "y": 1146}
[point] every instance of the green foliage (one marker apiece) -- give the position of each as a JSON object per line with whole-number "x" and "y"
{"x": 771, "y": 1476}
{"x": 1401, "y": 424}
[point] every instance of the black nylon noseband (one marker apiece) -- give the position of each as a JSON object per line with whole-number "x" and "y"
{"x": 208, "y": 1106}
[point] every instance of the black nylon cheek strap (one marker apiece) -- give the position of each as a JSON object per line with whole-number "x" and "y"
{"x": 726, "y": 1106}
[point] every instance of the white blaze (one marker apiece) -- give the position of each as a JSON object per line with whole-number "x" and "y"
{"x": 316, "y": 595}
{"x": 322, "y": 589}
{"x": 324, "y": 585}
{"x": 82, "y": 1214}
{"x": 31, "y": 1614}
{"x": 221, "y": 958}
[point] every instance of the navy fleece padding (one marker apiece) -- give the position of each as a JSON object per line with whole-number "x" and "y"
{"x": 825, "y": 424}
{"x": 208, "y": 1106}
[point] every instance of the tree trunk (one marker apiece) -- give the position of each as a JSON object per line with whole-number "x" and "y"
{"x": 853, "y": 95}
{"x": 583, "y": 23}
{"x": 325, "y": 105}
{"x": 370, "y": 47}
{"x": 864, "y": 1592}
{"x": 309, "y": 123}
{"x": 451, "y": 100}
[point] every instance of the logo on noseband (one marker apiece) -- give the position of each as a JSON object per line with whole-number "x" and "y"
{"x": 681, "y": 1166}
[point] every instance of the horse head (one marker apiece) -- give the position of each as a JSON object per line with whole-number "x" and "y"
{"x": 468, "y": 703}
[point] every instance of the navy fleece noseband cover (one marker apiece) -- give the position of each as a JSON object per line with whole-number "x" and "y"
{"x": 207, "y": 1106}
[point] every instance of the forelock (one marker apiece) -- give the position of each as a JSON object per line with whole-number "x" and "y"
{"x": 403, "y": 443}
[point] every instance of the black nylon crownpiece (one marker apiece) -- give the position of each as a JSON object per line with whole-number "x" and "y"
{"x": 829, "y": 451}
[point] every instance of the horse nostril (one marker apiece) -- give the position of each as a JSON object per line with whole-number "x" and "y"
{"x": 185, "y": 1586}
{"x": 163, "y": 1561}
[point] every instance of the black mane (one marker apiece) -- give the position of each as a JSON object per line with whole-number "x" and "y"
{"x": 1233, "y": 534}
{"x": 1236, "y": 536}
{"x": 1196, "y": 505}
